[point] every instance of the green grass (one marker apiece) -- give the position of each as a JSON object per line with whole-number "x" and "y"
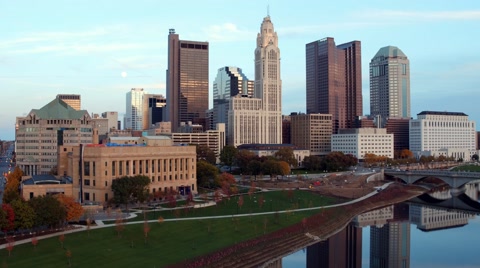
{"x": 168, "y": 242}
{"x": 470, "y": 168}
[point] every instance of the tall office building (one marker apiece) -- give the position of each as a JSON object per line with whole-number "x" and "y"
{"x": 390, "y": 84}
{"x": 153, "y": 109}
{"x": 187, "y": 81}
{"x": 230, "y": 81}
{"x": 259, "y": 119}
{"x": 134, "y": 115}
{"x": 312, "y": 132}
{"x": 334, "y": 81}
{"x": 74, "y": 100}
{"x": 390, "y": 245}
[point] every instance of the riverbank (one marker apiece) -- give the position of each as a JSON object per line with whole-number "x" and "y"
{"x": 259, "y": 251}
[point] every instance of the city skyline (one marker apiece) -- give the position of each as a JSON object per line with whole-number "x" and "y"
{"x": 50, "y": 48}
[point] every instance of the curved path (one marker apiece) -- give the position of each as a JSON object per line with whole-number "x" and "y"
{"x": 100, "y": 224}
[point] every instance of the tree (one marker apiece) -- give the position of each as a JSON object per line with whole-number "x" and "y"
{"x": 205, "y": 153}
{"x": 405, "y": 153}
{"x": 255, "y": 167}
{"x": 228, "y": 155}
{"x": 48, "y": 211}
{"x": 286, "y": 154}
{"x": 312, "y": 162}
{"x": 24, "y": 214}
{"x": 10, "y": 245}
{"x": 475, "y": 157}
{"x": 73, "y": 208}
{"x": 284, "y": 168}
{"x": 206, "y": 173}
{"x": 8, "y": 222}
{"x": 243, "y": 158}
{"x": 129, "y": 189}
{"x": 12, "y": 188}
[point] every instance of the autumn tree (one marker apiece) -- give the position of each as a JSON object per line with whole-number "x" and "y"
{"x": 10, "y": 244}
{"x": 24, "y": 214}
{"x": 228, "y": 155}
{"x": 286, "y": 154}
{"x": 206, "y": 154}
{"x": 405, "y": 153}
{"x": 129, "y": 189}
{"x": 225, "y": 178}
{"x": 7, "y": 218}
{"x": 206, "y": 173}
{"x": 12, "y": 188}
{"x": 73, "y": 208}
{"x": 284, "y": 168}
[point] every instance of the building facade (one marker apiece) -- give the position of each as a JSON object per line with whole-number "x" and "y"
{"x": 134, "y": 109}
{"x": 312, "y": 132}
{"x": 361, "y": 141}
{"x": 270, "y": 150}
{"x": 450, "y": 134}
{"x": 390, "y": 84}
{"x": 334, "y": 81}
{"x": 399, "y": 127}
{"x": 187, "y": 81}
{"x": 259, "y": 119}
{"x": 230, "y": 81}
{"x": 74, "y": 100}
{"x": 39, "y": 134}
{"x": 170, "y": 168}
{"x": 112, "y": 119}
{"x": 153, "y": 109}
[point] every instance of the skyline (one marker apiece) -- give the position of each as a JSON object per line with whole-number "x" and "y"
{"x": 69, "y": 47}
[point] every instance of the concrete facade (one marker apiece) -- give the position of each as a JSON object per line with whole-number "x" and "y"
{"x": 38, "y": 135}
{"x": 312, "y": 132}
{"x": 169, "y": 167}
{"x": 450, "y": 134}
{"x": 361, "y": 141}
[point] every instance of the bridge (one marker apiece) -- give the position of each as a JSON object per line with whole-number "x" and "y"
{"x": 455, "y": 179}
{"x": 461, "y": 202}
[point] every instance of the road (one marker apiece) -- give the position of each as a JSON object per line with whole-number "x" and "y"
{"x": 5, "y": 167}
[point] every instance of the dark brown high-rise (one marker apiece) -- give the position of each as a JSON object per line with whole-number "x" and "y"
{"x": 187, "y": 81}
{"x": 334, "y": 81}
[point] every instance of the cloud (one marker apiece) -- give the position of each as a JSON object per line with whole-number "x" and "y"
{"x": 393, "y": 15}
{"x": 227, "y": 32}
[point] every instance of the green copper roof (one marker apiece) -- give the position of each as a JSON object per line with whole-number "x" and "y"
{"x": 58, "y": 109}
{"x": 390, "y": 51}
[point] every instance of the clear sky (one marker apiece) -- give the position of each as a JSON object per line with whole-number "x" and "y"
{"x": 82, "y": 47}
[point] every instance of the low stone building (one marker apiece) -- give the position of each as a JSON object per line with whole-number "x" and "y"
{"x": 38, "y": 185}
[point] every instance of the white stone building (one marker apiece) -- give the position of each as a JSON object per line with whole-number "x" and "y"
{"x": 361, "y": 141}
{"x": 450, "y": 134}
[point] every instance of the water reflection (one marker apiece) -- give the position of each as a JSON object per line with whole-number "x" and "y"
{"x": 404, "y": 235}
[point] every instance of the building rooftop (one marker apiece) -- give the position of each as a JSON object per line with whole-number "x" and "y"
{"x": 47, "y": 179}
{"x": 390, "y": 51}
{"x": 441, "y": 113}
{"x": 58, "y": 109}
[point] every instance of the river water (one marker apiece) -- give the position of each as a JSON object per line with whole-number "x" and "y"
{"x": 442, "y": 232}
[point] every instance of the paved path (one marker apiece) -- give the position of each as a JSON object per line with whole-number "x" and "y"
{"x": 100, "y": 223}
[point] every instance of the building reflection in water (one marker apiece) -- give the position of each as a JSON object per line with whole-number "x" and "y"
{"x": 344, "y": 249}
{"x": 390, "y": 230}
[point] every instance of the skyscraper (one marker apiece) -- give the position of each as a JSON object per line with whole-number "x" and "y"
{"x": 187, "y": 81}
{"x": 259, "y": 119}
{"x": 230, "y": 81}
{"x": 134, "y": 109}
{"x": 334, "y": 81}
{"x": 153, "y": 109}
{"x": 390, "y": 84}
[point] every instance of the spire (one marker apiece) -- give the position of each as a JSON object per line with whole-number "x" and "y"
{"x": 268, "y": 10}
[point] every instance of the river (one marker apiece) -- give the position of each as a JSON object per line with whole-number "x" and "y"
{"x": 444, "y": 234}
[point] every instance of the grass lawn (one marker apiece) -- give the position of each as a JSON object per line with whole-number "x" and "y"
{"x": 167, "y": 242}
{"x": 470, "y": 168}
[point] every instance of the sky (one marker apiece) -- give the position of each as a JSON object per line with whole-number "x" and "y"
{"x": 82, "y": 47}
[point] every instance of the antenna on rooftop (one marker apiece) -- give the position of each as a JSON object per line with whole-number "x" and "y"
{"x": 268, "y": 10}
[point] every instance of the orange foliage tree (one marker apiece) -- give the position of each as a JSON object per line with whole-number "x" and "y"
{"x": 73, "y": 208}
{"x": 13, "y": 185}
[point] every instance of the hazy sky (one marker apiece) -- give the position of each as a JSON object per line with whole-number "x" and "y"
{"x": 82, "y": 47}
